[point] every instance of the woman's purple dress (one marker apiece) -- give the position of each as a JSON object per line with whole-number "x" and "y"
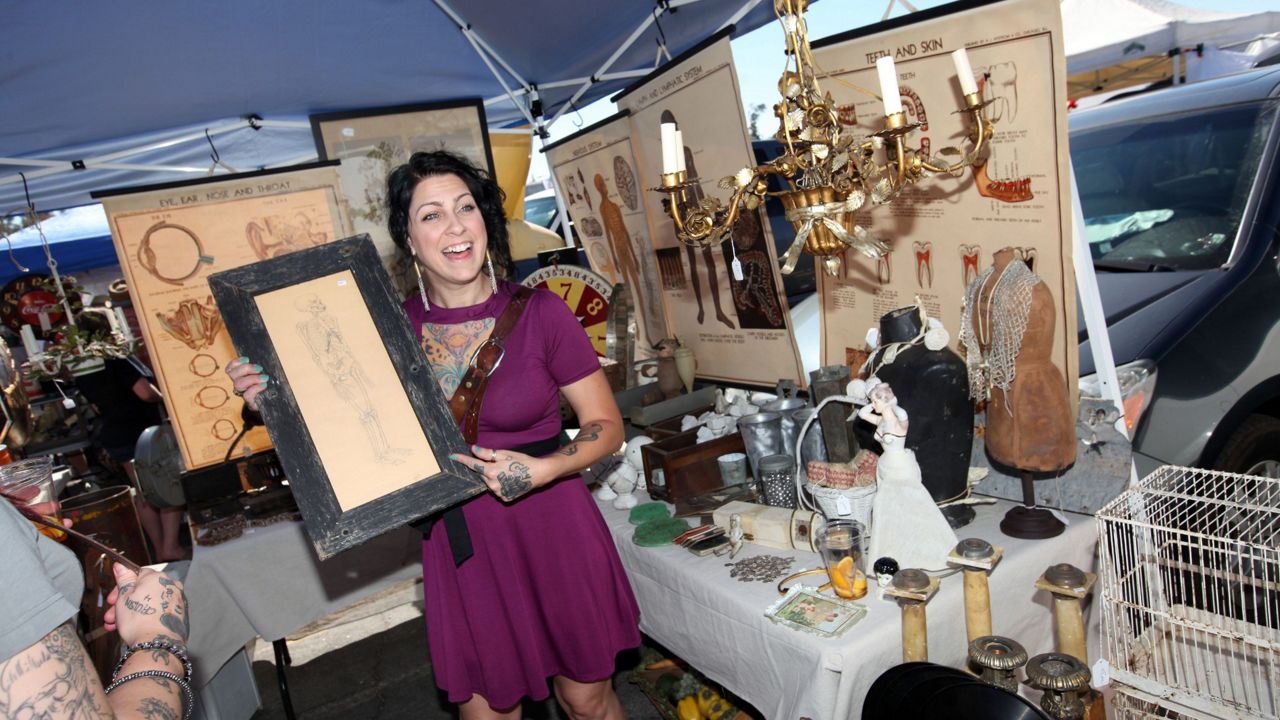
{"x": 545, "y": 593}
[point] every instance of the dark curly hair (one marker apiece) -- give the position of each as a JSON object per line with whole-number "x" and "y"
{"x": 488, "y": 196}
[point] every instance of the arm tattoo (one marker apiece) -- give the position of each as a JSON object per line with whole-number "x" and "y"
{"x": 153, "y": 709}
{"x": 589, "y": 432}
{"x": 51, "y": 678}
{"x": 514, "y": 481}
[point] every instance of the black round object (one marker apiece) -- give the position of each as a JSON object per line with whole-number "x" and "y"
{"x": 896, "y": 686}
{"x": 1031, "y": 523}
{"x": 885, "y": 566}
{"x": 979, "y": 701}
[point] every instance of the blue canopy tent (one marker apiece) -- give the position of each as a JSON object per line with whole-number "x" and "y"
{"x": 79, "y": 239}
{"x": 130, "y": 93}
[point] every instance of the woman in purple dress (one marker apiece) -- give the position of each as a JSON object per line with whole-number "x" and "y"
{"x": 542, "y": 593}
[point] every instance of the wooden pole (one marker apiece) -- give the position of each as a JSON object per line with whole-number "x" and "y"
{"x": 915, "y": 632}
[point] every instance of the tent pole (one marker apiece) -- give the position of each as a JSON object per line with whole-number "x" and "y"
{"x": 1095, "y": 318}
{"x": 621, "y": 75}
{"x": 478, "y": 44}
{"x": 465, "y": 27}
{"x": 65, "y": 165}
{"x": 742, "y": 12}
{"x": 626, "y": 44}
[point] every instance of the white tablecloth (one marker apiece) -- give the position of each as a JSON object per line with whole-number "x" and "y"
{"x": 269, "y": 583}
{"x": 716, "y": 623}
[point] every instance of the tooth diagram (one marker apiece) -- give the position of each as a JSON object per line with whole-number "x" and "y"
{"x": 884, "y": 269}
{"x": 999, "y": 84}
{"x": 969, "y": 262}
{"x": 924, "y": 262}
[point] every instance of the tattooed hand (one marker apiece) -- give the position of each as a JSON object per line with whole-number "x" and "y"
{"x": 146, "y": 606}
{"x": 507, "y": 473}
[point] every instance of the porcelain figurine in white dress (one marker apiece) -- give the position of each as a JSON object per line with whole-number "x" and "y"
{"x": 906, "y": 525}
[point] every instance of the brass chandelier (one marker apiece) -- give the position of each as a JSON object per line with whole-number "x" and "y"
{"x": 829, "y": 173}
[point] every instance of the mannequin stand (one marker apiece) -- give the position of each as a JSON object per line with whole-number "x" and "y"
{"x": 1028, "y": 521}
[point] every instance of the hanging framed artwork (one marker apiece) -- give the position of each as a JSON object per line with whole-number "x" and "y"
{"x": 371, "y": 142}
{"x": 362, "y": 429}
{"x": 169, "y": 239}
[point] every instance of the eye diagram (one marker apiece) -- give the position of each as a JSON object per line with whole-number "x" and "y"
{"x": 211, "y": 397}
{"x": 171, "y": 253}
{"x": 203, "y": 365}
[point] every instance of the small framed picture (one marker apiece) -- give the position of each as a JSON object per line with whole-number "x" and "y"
{"x": 804, "y": 608}
{"x": 360, "y": 425}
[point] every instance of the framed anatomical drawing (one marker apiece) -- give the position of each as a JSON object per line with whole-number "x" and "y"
{"x": 361, "y": 427}
{"x": 371, "y": 142}
{"x": 170, "y": 239}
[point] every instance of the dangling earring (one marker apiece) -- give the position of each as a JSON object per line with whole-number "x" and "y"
{"x": 493, "y": 279}
{"x": 422, "y": 287}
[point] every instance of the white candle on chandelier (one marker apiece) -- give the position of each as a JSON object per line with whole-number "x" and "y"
{"x": 125, "y": 331}
{"x": 680, "y": 152}
{"x": 668, "y": 148}
{"x": 964, "y": 71}
{"x": 29, "y": 340}
{"x": 889, "y": 85}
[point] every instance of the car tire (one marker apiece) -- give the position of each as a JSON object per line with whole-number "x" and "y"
{"x": 1254, "y": 448}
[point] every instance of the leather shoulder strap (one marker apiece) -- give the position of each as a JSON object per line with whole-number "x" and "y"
{"x": 465, "y": 403}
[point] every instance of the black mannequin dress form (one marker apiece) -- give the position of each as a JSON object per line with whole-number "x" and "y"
{"x": 933, "y": 387}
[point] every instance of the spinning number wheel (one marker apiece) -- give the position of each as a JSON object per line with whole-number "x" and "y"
{"x": 586, "y": 293}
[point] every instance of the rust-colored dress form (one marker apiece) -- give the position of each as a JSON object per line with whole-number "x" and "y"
{"x": 1031, "y": 427}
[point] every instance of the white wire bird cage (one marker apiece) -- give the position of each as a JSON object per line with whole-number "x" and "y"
{"x": 1189, "y": 578}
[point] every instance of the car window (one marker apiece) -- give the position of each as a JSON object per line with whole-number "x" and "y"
{"x": 1168, "y": 192}
{"x": 540, "y": 211}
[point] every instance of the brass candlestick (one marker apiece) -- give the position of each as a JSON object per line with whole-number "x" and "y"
{"x": 977, "y": 557}
{"x": 913, "y": 590}
{"x": 1064, "y": 680}
{"x": 999, "y": 658}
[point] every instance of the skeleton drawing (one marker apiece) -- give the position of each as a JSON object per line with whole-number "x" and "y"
{"x": 321, "y": 335}
{"x": 924, "y": 262}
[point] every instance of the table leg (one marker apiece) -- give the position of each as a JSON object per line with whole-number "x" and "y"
{"x": 282, "y": 659}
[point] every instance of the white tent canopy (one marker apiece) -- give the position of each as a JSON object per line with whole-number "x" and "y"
{"x": 1122, "y": 42}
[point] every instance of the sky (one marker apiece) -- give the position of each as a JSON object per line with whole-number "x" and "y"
{"x": 759, "y": 60}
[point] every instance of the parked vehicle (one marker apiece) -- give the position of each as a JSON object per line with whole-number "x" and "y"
{"x": 1179, "y": 192}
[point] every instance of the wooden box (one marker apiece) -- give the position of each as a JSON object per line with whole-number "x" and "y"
{"x": 671, "y": 426}
{"x": 689, "y": 467}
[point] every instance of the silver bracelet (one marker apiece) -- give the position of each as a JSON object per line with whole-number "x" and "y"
{"x": 173, "y": 648}
{"x": 186, "y": 687}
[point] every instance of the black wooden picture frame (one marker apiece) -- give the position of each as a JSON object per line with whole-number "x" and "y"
{"x": 331, "y": 528}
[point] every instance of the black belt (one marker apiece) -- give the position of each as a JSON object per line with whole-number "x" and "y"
{"x": 455, "y": 523}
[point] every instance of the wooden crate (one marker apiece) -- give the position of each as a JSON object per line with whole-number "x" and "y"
{"x": 690, "y": 467}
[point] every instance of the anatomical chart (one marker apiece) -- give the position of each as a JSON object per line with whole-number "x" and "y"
{"x": 736, "y": 322}
{"x": 943, "y": 231}
{"x": 366, "y": 433}
{"x": 596, "y": 173}
{"x": 169, "y": 241}
{"x": 373, "y": 142}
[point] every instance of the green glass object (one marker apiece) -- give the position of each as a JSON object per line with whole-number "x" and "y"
{"x": 657, "y": 533}
{"x": 648, "y": 512}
